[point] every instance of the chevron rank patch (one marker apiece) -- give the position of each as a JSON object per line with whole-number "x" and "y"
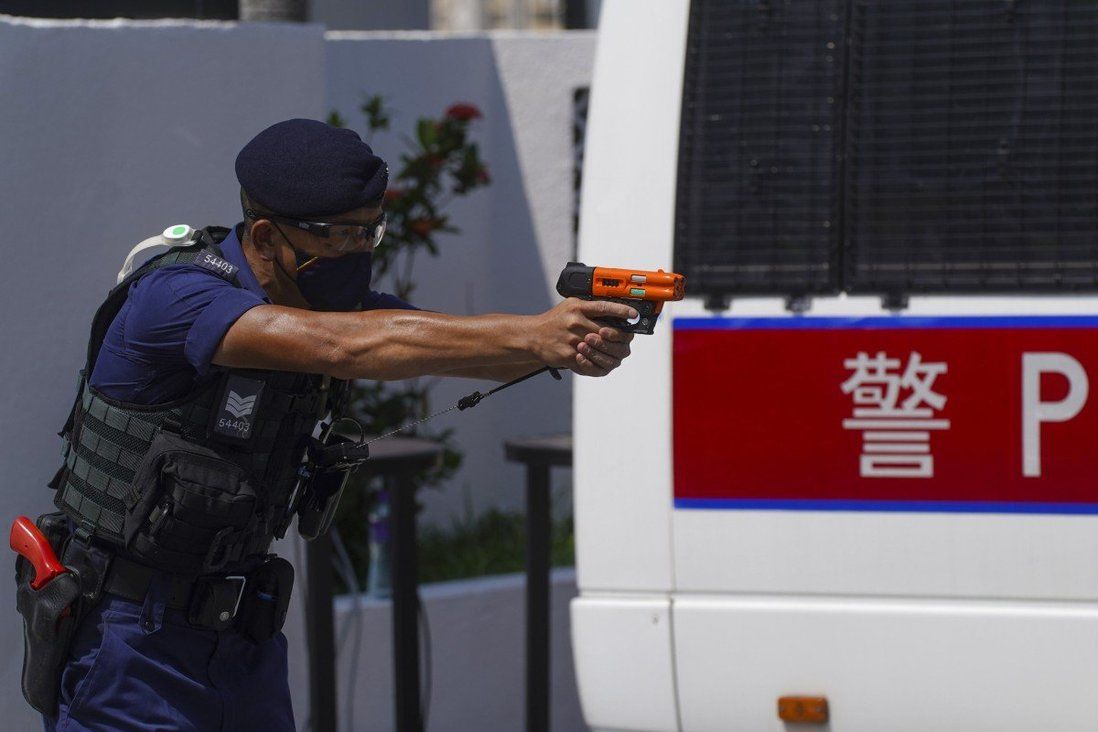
{"x": 239, "y": 405}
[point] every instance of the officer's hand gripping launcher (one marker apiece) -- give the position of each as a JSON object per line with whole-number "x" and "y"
{"x": 640, "y": 289}
{"x": 644, "y": 291}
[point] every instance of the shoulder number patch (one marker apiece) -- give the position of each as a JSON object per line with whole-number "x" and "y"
{"x": 217, "y": 265}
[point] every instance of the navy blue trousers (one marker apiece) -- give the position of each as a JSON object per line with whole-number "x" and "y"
{"x": 144, "y": 667}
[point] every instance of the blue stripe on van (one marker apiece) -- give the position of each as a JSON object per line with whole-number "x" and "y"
{"x": 799, "y": 504}
{"x": 887, "y": 322}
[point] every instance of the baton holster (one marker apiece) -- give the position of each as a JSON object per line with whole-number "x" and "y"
{"x": 52, "y": 613}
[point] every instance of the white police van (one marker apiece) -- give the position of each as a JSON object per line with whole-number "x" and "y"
{"x": 854, "y": 469}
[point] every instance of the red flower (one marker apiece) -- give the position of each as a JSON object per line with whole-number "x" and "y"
{"x": 482, "y": 176}
{"x": 435, "y": 161}
{"x": 463, "y": 112}
{"x": 393, "y": 194}
{"x": 421, "y": 227}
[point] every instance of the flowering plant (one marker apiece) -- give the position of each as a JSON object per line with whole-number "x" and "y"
{"x": 440, "y": 164}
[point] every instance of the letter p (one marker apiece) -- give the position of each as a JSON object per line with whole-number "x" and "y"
{"x": 1035, "y": 411}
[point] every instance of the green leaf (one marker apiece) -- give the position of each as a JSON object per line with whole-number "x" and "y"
{"x": 335, "y": 119}
{"x": 374, "y": 109}
{"x": 426, "y": 133}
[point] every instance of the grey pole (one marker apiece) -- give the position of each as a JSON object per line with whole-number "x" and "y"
{"x": 289, "y": 11}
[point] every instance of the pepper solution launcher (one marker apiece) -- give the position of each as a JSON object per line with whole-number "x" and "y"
{"x": 642, "y": 290}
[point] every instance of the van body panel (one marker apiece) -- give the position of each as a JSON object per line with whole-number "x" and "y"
{"x": 624, "y": 662}
{"x": 878, "y": 553}
{"x": 622, "y": 456}
{"x": 896, "y": 665}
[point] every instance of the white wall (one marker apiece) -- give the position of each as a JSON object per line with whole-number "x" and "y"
{"x": 112, "y": 130}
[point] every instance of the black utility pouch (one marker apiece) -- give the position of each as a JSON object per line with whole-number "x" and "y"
{"x": 188, "y": 508}
{"x": 265, "y": 600}
{"x": 47, "y": 627}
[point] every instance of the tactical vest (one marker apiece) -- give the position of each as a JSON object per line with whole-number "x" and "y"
{"x": 203, "y": 482}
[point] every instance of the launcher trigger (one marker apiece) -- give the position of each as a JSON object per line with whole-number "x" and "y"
{"x": 648, "y": 310}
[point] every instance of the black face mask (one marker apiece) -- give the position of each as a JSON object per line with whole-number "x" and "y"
{"x": 334, "y": 284}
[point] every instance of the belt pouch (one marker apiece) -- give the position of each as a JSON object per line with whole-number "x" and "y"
{"x": 266, "y": 598}
{"x": 47, "y": 628}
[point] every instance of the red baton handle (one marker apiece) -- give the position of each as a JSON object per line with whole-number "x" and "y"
{"x": 35, "y": 548}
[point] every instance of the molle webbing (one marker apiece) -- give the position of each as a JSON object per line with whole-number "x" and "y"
{"x": 103, "y": 451}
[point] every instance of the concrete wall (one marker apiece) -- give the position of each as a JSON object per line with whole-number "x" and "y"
{"x": 477, "y": 657}
{"x": 112, "y": 130}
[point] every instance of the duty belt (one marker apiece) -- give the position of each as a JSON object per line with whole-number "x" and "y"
{"x": 210, "y": 601}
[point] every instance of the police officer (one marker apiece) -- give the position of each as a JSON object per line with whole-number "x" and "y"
{"x": 208, "y": 370}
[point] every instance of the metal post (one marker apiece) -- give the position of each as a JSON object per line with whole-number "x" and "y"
{"x": 575, "y": 14}
{"x": 405, "y": 604}
{"x": 537, "y": 597}
{"x": 320, "y": 633}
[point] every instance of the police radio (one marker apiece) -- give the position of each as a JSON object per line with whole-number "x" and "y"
{"x": 322, "y": 477}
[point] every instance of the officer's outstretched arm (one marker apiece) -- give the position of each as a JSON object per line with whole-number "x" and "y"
{"x": 401, "y": 344}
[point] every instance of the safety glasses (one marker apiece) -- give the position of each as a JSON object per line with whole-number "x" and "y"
{"x": 341, "y": 238}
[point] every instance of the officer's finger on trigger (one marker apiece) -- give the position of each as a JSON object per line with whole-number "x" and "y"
{"x": 603, "y": 308}
{"x": 584, "y": 326}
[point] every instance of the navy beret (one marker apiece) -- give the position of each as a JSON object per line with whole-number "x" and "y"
{"x": 304, "y": 168}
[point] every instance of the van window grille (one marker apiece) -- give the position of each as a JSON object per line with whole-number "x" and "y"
{"x": 757, "y": 201}
{"x": 889, "y": 147}
{"x": 973, "y": 146}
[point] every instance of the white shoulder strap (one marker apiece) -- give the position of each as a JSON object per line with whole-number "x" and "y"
{"x": 173, "y": 236}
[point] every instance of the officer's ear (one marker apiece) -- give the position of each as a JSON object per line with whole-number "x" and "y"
{"x": 262, "y": 234}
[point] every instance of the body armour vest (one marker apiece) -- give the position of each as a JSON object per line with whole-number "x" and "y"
{"x": 205, "y": 481}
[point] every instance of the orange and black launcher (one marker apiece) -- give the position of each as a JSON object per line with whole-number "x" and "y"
{"x": 642, "y": 290}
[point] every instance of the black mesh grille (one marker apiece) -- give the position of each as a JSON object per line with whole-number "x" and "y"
{"x": 758, "y": 198}
{"x": 973, "y": 146}
{"x": 943, "y": 147}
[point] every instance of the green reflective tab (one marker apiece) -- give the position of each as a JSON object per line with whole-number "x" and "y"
{"x": 636, "y": 292}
